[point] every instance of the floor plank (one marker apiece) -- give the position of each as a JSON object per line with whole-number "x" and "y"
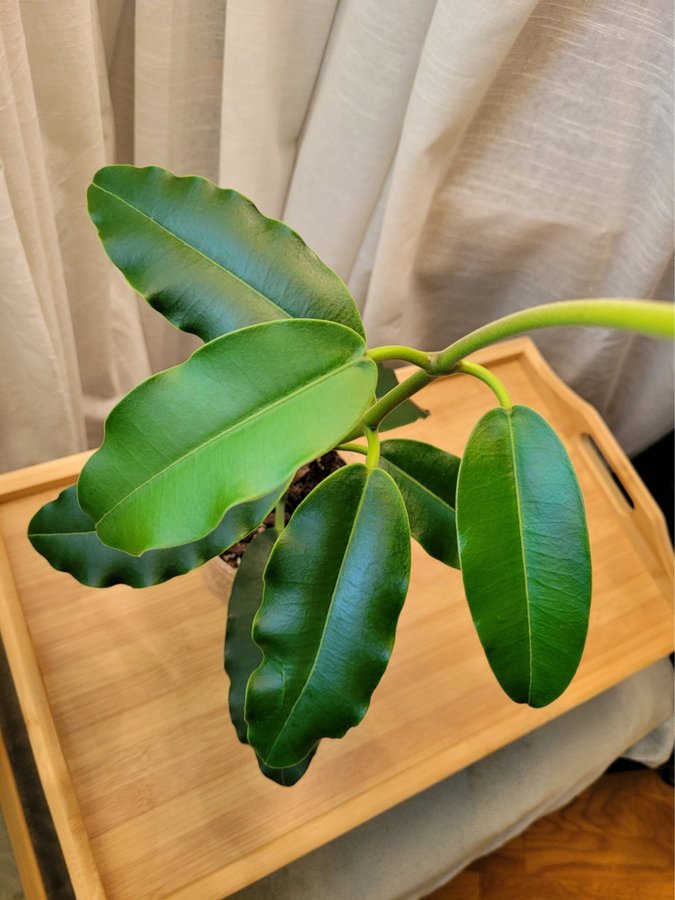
{"x": 614, "y": 842}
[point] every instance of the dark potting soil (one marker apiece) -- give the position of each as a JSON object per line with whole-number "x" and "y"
{"x": 306, "y": 479}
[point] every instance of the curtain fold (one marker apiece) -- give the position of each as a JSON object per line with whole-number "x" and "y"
{"x": 79, "y": 346}
{"x": 454, "y": 161}
{"x": 37, "y": 347}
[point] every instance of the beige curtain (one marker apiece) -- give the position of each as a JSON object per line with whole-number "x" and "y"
{"x": 453, "y": 160}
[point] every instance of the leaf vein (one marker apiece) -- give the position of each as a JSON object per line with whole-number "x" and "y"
{"x": 233, "y": 427}
{"x": 516, "y": 486}
{"x": 338, "y": 580}
{"x": 194, "y": 249}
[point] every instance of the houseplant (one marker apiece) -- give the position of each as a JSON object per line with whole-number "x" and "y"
{"x": 196, "y": 457}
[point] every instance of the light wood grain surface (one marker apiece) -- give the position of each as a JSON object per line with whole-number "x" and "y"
{"x": 126, "y": 700}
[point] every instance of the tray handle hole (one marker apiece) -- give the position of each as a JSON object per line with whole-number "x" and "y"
{"x": 616, "y": 481}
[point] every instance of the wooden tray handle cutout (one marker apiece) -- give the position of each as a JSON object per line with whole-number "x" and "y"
{"x": 644, "y": 520}
{"x": 621, "y": 493}
{"x": 630, "y": 497}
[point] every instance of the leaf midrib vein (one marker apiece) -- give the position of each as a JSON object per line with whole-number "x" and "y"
{"x": 328, "y": 616}
{"x": 233, "y": 427}
{"x": 509, "y": 416}
{"x": 419, "y": 484}
{"x": 194, "y": 249}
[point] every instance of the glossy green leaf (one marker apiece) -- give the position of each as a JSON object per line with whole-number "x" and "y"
{"x": 289, "y": 775}
{"x": 427, "y": 479}
{"x": 523, "y": 546}
{"x": 66, "y": 537}
{"x": 406, "y": 412}
{"x": 334, "y": 587}
{"x": 242, "y": 654}
{"x": 206, "y": 258}
{"x": 227, "y": 426}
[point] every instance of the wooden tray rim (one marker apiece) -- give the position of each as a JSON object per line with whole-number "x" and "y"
{"x": 44, "y": 737}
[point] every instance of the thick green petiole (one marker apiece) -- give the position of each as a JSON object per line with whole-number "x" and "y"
{"x": 652, "y": 318}
{"x": 488, "y": 378}
{"x": 280, "y": 515}
{"x": 398, "y": 351}
{"x": 373, "y": 453}
{"x": 378, "y": 411}
{"x": 353, "y": 448}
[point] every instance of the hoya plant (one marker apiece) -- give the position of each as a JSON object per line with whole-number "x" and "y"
{"x": 196, "y": 457}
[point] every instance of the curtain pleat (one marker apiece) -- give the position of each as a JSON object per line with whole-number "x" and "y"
{"x": 454, "y": 161}
{"x": 41, "y": 410}
{"x": 273, "y": 62}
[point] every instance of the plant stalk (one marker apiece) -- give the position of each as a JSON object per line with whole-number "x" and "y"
{"x": 488, "y": 378}
{"x": 373, "y": 454}
{"x": 280, "y": 515}
{"x": 353, "y": 448}
{"x": 398, "y": 351}
{"x": 384, "y": 405}
{"x": 653, "y": 318}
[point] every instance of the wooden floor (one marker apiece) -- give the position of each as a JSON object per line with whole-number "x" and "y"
{"x": 614, "y": 842}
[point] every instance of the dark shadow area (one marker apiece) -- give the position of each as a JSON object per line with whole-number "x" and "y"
{"x": 43, "y": 834}
{"x": 656, "y": 466}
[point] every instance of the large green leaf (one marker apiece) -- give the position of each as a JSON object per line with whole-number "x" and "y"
{"x": 242, "y": 654}
{"x": 288, "y": 775}
{"x": 405, "y": 412}
{"x": 66, "y": 537}
{"x": 427, "y": 479}
{"x": 227, "y": 426}
{"x": 523, "y": 547}
{"x": 206, "y": 258}
{"x": 334, "y": 587}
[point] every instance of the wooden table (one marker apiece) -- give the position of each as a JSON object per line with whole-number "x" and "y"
{"x": 125, "y": 699}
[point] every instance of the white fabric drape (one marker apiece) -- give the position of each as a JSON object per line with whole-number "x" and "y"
{"x": 452, "y": 160}
{"x": 70, "y": 342}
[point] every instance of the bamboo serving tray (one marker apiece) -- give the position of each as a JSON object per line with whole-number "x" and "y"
{"x": 125, "y": 699}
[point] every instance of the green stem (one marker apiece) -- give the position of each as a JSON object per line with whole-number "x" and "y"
{"x": 646, "y": 317}
{"x": 378, "y": 411}
{"x": 373, "y": 454}
{"x": 353, "y": 448}
{"x": 280, "y": 515}
{"x": 398, "y": 351}
{"x": 653, "y": 318}
{"x": 488, "y": 378}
